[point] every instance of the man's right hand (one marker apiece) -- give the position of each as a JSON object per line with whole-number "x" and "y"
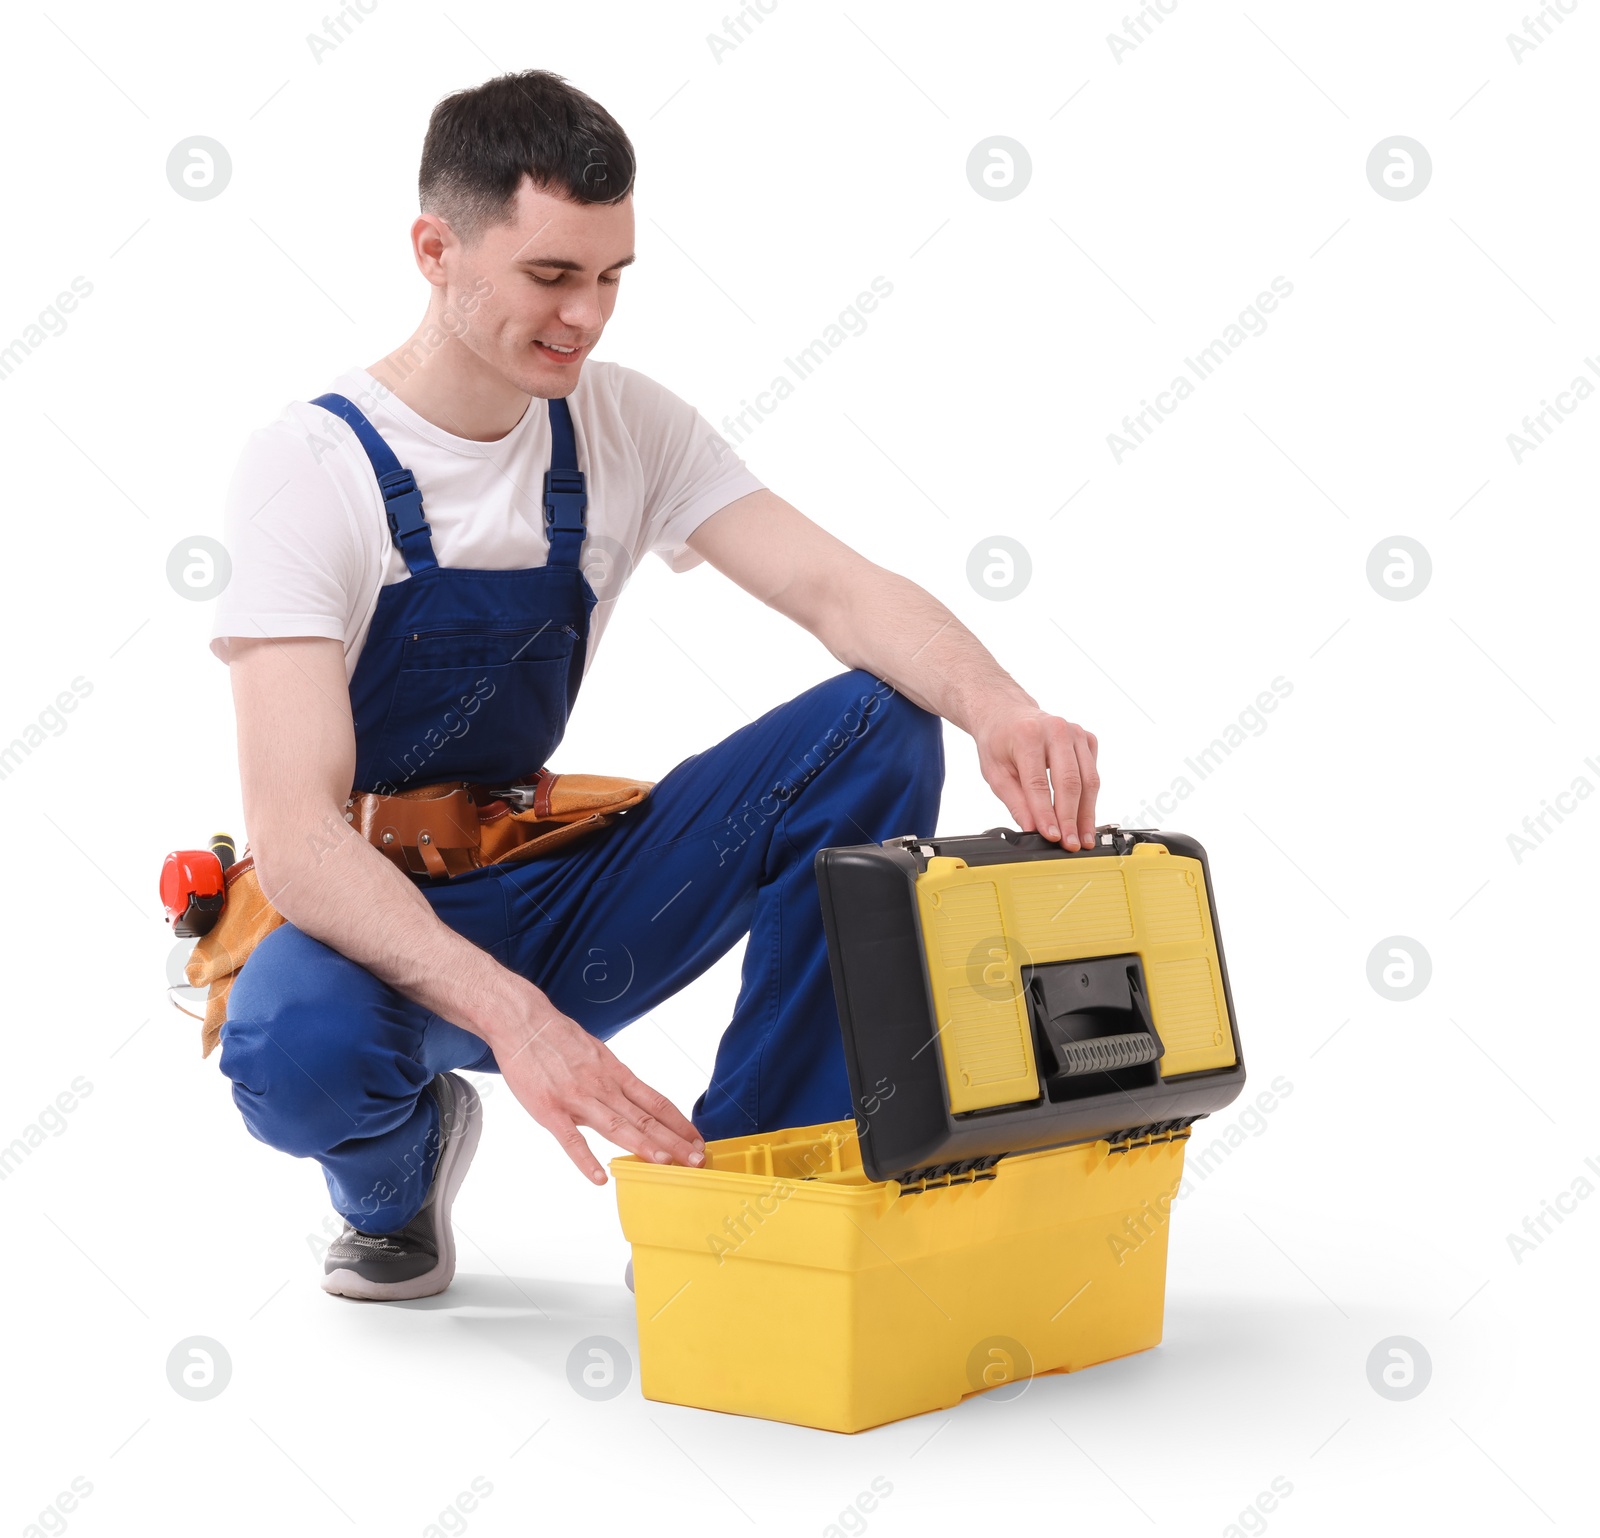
{"x": 297, "y": 756}
{"x": 566, "y": 1079}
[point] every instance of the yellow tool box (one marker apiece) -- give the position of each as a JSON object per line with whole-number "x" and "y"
{"x": 1030, "y": 1033}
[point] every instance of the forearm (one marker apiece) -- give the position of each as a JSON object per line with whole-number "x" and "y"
{"x": 885, "y": 623}
{"x": 328, "y": 881}
{"x": 1042, "y": 766}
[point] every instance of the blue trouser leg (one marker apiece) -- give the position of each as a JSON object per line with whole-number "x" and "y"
{"x": 329, "y": 1062}
{"x": 724, "y": 845}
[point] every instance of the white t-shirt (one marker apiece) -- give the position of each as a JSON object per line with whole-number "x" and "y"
{"x": 309, "y": 540}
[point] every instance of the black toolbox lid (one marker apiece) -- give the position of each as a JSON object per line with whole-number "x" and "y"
{"x": 1087, "y": 998}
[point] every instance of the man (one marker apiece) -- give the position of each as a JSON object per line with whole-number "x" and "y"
{"x": 356, "y": 621}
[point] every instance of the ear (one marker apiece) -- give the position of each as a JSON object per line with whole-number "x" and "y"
{"x": 433, "y": 244}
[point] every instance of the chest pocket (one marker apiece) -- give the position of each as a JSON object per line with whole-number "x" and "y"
{"x": 480, "y": 705}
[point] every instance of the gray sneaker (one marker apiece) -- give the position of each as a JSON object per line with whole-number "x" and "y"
{"x": 419, "y": 1260}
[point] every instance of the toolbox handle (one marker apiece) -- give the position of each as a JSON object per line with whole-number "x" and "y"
{"x": 1102, "y": 1054}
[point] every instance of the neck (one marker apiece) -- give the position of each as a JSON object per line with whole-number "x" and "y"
{"x": 446, "y": 383}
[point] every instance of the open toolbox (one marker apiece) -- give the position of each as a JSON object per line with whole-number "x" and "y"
{"x": 1029, "y": 1034}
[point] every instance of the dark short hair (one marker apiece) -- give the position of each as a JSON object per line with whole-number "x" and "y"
{"x": 482, "y": 142}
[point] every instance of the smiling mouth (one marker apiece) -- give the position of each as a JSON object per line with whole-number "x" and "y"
{"x": 555, "y": 351}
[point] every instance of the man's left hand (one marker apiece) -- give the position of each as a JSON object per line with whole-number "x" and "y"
{"x": 1044, "y": 769}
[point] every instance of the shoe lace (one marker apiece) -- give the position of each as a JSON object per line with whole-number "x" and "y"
{"x": 384, "y": 1244}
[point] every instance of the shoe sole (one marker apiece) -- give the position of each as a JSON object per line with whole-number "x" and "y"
{"x": 454, "y": 1160}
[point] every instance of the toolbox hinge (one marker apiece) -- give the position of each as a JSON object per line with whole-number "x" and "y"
{"x": 964, "y": 1172}
{"x": 1175, "y": 1131}
{"x": 936, "y": 1177}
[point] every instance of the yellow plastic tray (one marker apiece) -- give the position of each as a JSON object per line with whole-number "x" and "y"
{"x": 779, "y": 1281}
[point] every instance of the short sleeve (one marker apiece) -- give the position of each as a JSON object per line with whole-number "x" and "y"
{"x": 297, "y": 563}
{"x": 690, "y": 470}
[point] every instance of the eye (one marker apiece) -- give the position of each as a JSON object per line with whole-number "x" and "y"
{"x": 548, "y": 282}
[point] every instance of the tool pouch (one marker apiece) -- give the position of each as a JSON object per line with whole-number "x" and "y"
{"x": 433, "y": 830}
{"x": 444, "y": 830}
{"x": 247, "y": 919}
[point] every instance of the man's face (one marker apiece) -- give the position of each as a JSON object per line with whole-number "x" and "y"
{"x": 544, "y": 281}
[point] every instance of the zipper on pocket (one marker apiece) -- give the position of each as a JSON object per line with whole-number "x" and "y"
{"x": 447, "y": 635}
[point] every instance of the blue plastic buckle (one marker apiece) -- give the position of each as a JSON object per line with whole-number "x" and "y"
{"x": 564, "y": 501}
{"x": 403, "y": 503}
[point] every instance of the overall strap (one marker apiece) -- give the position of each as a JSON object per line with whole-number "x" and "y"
{"x": 401, "y": 499}
{"x": 565, "y": 496}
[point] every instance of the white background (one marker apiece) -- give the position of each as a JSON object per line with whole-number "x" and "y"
{"x": 1167, "y": 591}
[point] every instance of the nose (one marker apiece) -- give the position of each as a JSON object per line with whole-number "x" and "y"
{"x": 580, "y": 309}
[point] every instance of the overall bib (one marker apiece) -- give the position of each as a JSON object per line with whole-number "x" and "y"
{"x": 471, "y": 675}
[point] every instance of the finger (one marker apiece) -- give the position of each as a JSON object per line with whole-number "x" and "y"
{"x": 656, "y": 1142}
{"x": 576, "y": 1148}
{"x": 681, "y": 1138}
{"x": 1067, "y": 783}
{"x": 1032, "y": 770}
{"x": 1086, "y": 750}
{"x": 617, "y": 1119}
{"x": 658, "y": 1106}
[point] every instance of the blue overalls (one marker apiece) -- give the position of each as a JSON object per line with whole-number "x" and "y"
{"x": 472, "y": 675}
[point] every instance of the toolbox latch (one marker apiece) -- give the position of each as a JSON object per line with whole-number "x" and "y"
{"x": 1116, "y": 838}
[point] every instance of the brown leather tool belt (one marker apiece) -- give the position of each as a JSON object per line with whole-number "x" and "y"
{"x": 453, "y": 827}
{"x": 429, "y": 830}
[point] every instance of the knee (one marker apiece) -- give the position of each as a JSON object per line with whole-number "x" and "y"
{"x": 292, "y": 1045}
{"x": 914, "y": 737}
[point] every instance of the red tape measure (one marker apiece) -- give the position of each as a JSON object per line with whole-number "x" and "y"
{"x": 194, "y": 886}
